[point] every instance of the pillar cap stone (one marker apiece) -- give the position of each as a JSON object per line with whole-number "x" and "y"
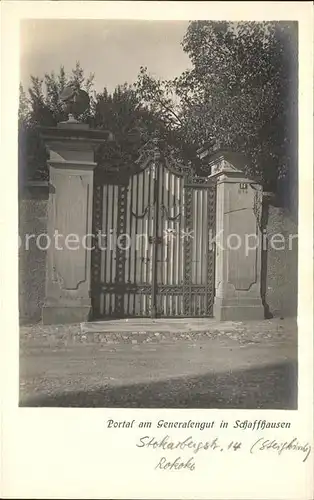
{"x": 224, "y": 166}
{"x": 73, "y": 131}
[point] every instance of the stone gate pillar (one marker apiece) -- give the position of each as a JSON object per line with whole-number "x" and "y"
{"x": 238, "y": 244}
{"x": 71, "y": 164}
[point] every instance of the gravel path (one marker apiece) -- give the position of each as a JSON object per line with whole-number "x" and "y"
{"x": 274, "y": 330}
{"x": 241, "y": 365}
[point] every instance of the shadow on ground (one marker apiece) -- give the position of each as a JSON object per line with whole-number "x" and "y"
{"x": 268, "y": 387}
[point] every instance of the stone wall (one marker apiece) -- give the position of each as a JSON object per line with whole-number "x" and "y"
{"x": 32, "y": 262}
{"x": 281, "y": 286}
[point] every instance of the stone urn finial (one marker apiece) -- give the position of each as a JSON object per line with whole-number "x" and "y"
{"x": 76, "y": 101}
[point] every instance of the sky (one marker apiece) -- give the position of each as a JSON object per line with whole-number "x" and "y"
{"x": 112, "y": 50}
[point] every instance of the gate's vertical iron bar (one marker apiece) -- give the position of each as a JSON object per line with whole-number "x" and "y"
{"x": 187, "y": 292}
{"x": 135, "y": 232}
{"x": 145, "y": 204}
{"x": 195, "y": 221}
{"x": 170, "y": 262}
{"x": 135, "y": 188}
{"x": 175, "y": 242}
{"x": 181, "y": 245}
{"x": 96, "y": 263}
{"x": 200, "y": 258}
{"x": 116, "y": 198}
{"x": 155, "y": 233}
{"x": 169, "y": 244}
{"x": 144, "y": 232}
{"x": 148, "y": 249}
{"x": 131, "y": 252}
{"x": 173, "y": 260}
{"x": 194, "y": 229}
{"x": 164, "y": 224}
{"x": 149, "y": 256}
{"x": 197, "y": 215}
{"x": 206, "y": 254}
{"x": 162, "y": 246}
{"x": 128, "y": 280}
{"x": 135, "y": 249}
{"x": 129, "y": 232}
{"x": 110, "y": 250}
{"x": 115, "y": 226}
{"x": 104, "y": 251}
{"x": 205, "y": 240}
{"x": 120, "y": 249}
{"x": 203, "y": 235}
{"x": 143, "y": 254}
{"x": 199, "y": 246}
{"x": 113, "y": 234}
{"x": 117, "y": 195}
{"x": 139, "y": 247}
{"x": 107, "y": 260}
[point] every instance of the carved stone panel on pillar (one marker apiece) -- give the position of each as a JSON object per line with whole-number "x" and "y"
{"x": 71, "y": 163}
{"x": 238, "y": 244}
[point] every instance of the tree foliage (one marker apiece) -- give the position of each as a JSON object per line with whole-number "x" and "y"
{"x": 121, "y": 113}
{"x": 241, "y": 93}
{"x": 130, "y": 122}
{"x": 41, "y": 106}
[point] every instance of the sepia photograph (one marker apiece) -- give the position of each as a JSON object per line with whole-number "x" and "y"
{"x": 158, "y": 214}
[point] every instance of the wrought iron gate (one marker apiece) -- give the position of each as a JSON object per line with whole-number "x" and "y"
{"x": 153, "y": 253}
